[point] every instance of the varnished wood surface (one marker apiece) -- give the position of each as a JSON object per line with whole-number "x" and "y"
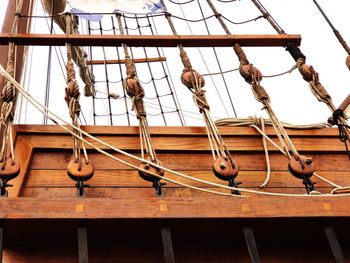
{"x": 174, "y": 207}
{"x": 117, "y": 191}
{"x": 150, "y": 40}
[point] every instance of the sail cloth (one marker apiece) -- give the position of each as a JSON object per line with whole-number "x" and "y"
{"x": 94, "y": 9}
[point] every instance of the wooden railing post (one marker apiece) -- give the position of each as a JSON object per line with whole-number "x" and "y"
{"x": 82, "y": 245}
{"x": 167, "y": 245}
{"x": 1, "y": 242}
{"x": 334, "y": 244}
{"x": 252, "y": 248}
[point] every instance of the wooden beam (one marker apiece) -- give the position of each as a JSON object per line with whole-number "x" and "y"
{"x": 122, "y": 61}
{"x": 23, "y": 154}
{"x": 23, "y": 25}
{"x": 205, "y": 206}
{"x": 83, "y": 245}
{"x": 334, "y": 244}
{"x": 251, "y": 244}
{"x": 167, "y": 245}
{"x": 149, "y": 40}
{"x": 1, "y": 242}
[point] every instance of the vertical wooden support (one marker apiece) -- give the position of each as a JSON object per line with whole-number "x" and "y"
{"x": 83, "y": 245}
{"x": 334, "y": 244}
{"x": 167, "y": 245}
{"x": 1, "y": 241}
{"x": 252, "y": 248}
{"x": 23, "y": 25}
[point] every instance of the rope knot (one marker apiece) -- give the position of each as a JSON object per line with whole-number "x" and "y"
{"x": 192, "y": 79}
{"x": 8, "y": 93}
{"x": 217, "y": 15}
{"x": 306, "y": 71}
{"x": 250, "y": 73}
{"x": 185, "y": 59}
{"x": 72, "y": 98}
{"x": 200, "y": 100}
{"x": 6, "y": 112}
{"x": 167, "y": 14}
{"x": 256, "y": 121}
{"x": 136, "y": 92}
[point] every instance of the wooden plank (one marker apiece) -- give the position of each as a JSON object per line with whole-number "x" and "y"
{"x": 188, "y": 130}
{"x": 179, "y": 143}
{"x": 83, "y": 245}
{"x": 147, "y": 192}
{"x": 185, "y": 161}
{"x": 251, "y": 244}
{"x": 167, "y": 207}
{"x": 150, "y": 40}
{"x": 334, "y": 244}
{"x": 130, "y": 178}
{"x": 123, "y": 61}
{"x": 1, "y": 242}
{"x": 23, "y": 154}
{"x": 167, "y": 245}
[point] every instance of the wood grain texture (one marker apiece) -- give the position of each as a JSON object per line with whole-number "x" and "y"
{"x": 175, "y": 207}
{"x": 150, "y": 40}
{"x": 124, "y": 194}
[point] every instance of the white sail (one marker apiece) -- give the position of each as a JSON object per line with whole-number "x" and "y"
{"x": 88, "y": 9}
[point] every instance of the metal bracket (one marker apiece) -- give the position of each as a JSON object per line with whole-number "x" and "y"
{"x": 252, "y": 248}
{"x": 82, "y": 245}
{"x": 334, "y": 244}
{"x": 167, "y": 245}
{"x": 3, "y": 186}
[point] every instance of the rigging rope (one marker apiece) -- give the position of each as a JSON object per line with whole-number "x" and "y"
{"x": 310, "y": 75}
{"x": 136, "y": 93}
{"x": 78, "y": 55}
{"x": 54, "y": 117}
{"x": 9, "y": 169}
{"x": 299, "y": 165}
{"x": 78, "y": 169}
{"x": 225, "y": 167}
{"x": 335, "y": 31}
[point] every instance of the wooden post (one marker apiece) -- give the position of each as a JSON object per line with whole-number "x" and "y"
{"x": 334, "y": 244}
{"x": 167, "y": 245}
{"x": 252, "y": 248}
{"x": 23, "y": 25}
{"x": 1, "y": 242}
{"x": 82, "y": 245}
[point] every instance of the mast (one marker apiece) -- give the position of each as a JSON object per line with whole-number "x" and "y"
{"x": 23, "y": 27}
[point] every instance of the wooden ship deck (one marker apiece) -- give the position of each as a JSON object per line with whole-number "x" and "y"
{"x": 196, "y": 217}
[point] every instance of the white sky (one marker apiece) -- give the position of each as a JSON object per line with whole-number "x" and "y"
{"x": 291, "y": 97}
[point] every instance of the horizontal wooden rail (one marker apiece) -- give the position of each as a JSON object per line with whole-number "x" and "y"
{"x": 149, "y": 40}
{"x": 167, "y": 207}
{"x": 123, "y": 61}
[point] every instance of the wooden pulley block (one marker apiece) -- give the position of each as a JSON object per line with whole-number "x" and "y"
{"x": 306, "y": 72}
{"x": 188, "y": 77}
{"x": 151, "y": 169}
{"x": 133, "y": 87}
{"x": 225, "y": 169}
{"x": 248, "y": 70}
{"x": 347, "y": 62}
{"x": 9, "y": 171}
{"x": 301, "y": 167}
{"x": 85, "y": 172}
